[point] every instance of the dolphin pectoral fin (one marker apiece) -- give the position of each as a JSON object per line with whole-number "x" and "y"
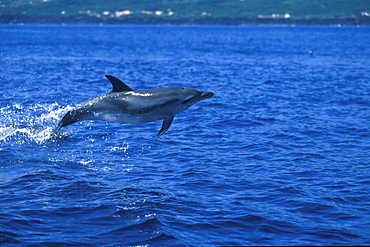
{"x": 118, "y": 85}
{"x": 165, "y": 125}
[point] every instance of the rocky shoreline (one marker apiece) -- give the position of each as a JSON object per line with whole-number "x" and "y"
{"x": 345, "y": 21}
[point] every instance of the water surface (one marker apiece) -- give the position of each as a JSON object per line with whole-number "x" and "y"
{"x": 279, "y": 156}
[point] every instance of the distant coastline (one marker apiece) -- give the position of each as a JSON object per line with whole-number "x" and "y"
{"x": 340, "y": 21}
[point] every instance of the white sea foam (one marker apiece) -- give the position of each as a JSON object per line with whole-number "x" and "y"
{"x": 30, "y": 123}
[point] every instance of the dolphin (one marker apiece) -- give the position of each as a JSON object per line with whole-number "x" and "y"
{"x": 128, "y": 106}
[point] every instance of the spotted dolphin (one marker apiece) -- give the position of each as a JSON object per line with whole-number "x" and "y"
{"x": 125, "y": 105}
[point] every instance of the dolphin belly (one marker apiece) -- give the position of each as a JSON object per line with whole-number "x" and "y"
{"x": 124, "y": 118}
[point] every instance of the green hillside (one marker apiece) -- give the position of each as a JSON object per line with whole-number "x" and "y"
{"x": 196, "y": 9}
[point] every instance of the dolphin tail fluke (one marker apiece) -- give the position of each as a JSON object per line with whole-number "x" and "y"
{"x": 56, "y": 130}
{"x": 66, "y": 120}
{"x": 165, "y": 125}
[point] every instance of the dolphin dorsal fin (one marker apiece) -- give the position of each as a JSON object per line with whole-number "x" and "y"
{"x": 118, "y": 85}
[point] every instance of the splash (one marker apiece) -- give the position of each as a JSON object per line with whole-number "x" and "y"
{"x": 35, "y": 123}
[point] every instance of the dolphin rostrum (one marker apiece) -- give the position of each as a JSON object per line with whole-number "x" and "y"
{"x": 125, "y": 105}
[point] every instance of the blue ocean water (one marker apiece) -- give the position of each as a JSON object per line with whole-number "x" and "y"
{"x": 279, "y": 156}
